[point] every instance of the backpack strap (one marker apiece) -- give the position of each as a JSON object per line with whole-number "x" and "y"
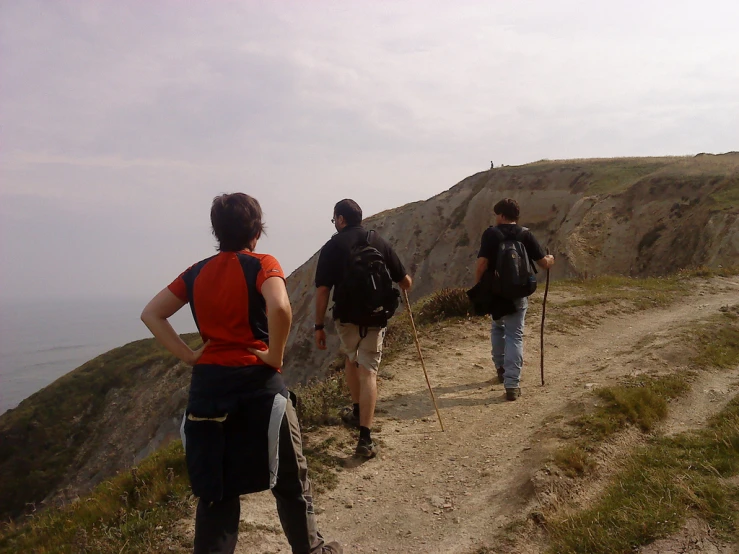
{"x": 518, "y": 236}
{"x": 365, "y": 241}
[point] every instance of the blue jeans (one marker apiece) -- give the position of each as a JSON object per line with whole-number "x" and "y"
{"x": 507, "y": 339}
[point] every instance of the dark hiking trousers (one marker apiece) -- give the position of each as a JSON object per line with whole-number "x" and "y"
{"x": 217, "y": 526}
{"x": 217, "y": 523}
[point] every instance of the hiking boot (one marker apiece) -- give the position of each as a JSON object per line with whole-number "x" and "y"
{"x": 512, "y": 394}
{"x": 332, "y": 547}
{"x": 348, "y": 417}
{"x": 500, "y": 371}
{"x": 366, "y": 448}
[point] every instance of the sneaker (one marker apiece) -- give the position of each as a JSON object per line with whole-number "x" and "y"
{"x": 332, "y": 547}
{"x": 348, "y": 417}
{"x": 366, "y": 448}
{"x": 512, "y": 394}
{"x": 500, "y": 371}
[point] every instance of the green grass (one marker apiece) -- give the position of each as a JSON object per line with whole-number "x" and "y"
{"x": 727, "y": 197}
{"x": 322, "y": 464}
{"x": 620, "y": 287}
{"x": 40, "y": 439}
{"x": 615, "y": 177}
{"x": 640, "y": 402}
{"x": 708, "y": 272}
{"x": 319, "y": 402}
{"x": 574, "y": 460}
{"x": 660, "y": 486}
{"x": 605, "y": 175}
{"x": 134, "y": 512}
{"x": 444, "y": 304}
{"x": 718, "y": 342}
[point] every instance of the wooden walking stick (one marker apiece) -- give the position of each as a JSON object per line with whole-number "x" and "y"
{"x": 423, "y": 365}
{"x": 543, "y": 315}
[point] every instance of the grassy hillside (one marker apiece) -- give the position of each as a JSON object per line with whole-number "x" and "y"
{"x": 134, "y": 512}
{"x": 616, "y": 175}
{"x": 41, "y": 438}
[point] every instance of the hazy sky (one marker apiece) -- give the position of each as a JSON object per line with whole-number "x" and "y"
{"x": 121, "y": 120}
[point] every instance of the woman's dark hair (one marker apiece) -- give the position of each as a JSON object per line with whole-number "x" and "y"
{"x": 350, "y": 210}
{"x": 237, "y": 220}
{"x": 508, "y": 208}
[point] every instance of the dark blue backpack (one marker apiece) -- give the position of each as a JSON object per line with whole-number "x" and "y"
{"x": 366, "y": 296}
{"x": 515, "y": 275}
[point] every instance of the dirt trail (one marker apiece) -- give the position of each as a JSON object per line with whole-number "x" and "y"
{"x": 450, "y": 492}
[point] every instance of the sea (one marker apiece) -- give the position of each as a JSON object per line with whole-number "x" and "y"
{"x": 42, "y": 340}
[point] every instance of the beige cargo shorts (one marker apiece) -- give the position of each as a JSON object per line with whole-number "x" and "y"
{"x": 366, "y": 351}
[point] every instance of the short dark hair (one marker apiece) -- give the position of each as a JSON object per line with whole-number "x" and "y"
{"x": 237, "y": 220}
{"x": 508, "y": 208}
{"x": 350, "y": 210}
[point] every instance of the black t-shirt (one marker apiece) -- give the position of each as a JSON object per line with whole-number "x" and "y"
{"x": 491, "y": 240}
{"x": 334, "y": 254}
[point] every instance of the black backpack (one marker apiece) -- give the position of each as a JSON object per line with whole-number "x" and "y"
{"x": 365, "y": 296}
{"x": 515, "y": 275}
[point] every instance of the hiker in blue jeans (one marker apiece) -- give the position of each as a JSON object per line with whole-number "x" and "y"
{"x": 508, "y": 315}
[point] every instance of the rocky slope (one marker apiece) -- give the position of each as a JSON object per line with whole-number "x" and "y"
{"x": 632, "y": 216}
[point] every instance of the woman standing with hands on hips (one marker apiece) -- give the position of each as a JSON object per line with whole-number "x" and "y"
{"x": 241, "y": 431}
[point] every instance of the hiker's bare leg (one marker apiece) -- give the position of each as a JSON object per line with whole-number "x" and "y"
{"x": 367, "y": 396}
{"x": 352, "y": 380}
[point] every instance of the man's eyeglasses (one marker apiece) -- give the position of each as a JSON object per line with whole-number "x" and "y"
{"x": 333, "y": 220}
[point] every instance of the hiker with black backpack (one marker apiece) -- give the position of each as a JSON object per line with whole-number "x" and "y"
{"x": 361, "y": 268}
{"x": 506, "y": 276}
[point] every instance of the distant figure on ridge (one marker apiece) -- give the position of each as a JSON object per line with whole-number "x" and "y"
{"x": 240, "y": 431}
{"x": 361, "y": 267}
{"x": 504, "y": 265}
{"x": 492, "y": 166}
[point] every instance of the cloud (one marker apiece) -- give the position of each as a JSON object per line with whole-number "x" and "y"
{"x": 141, "y": 112}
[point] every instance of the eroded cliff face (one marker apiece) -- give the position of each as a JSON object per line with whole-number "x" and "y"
{"x": 636, "y": 216}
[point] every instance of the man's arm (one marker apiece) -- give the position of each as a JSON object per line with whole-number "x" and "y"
{"x": 480, "y": 268}
{"x": 488, "y": 246}
{"x": 279, "y": 319}
{"x": 406, "y": 282}
{"x": 325, "y": 270}
{"x": 322, "y": 296}
{"x": 155, "y": 314}
{"x": 546, "y": 262}
{"x": 536, "y": 252}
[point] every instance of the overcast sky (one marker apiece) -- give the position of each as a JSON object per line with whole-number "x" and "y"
{"x": 121, "y": 120}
